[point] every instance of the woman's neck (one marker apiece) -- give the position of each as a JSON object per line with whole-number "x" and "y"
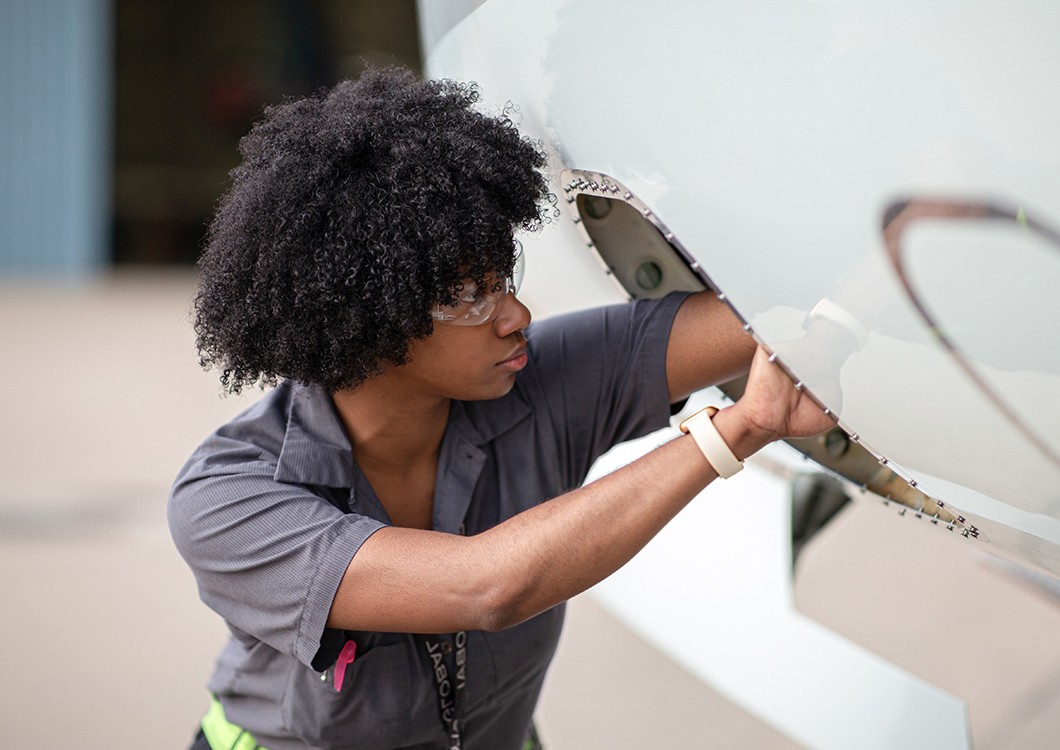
{"x": 390, "y": 429}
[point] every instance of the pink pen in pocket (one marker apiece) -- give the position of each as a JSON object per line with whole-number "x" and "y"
{"x": 346, "y": 657}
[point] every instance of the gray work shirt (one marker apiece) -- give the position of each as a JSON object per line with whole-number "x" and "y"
{"x": 270, "y": 510}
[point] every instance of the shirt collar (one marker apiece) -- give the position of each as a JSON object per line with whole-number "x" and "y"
{"x": 481, "y": 422}
{"x": 316, "y": 449}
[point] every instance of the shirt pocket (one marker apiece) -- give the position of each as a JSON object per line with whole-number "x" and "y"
{"x": 370, "y": 712}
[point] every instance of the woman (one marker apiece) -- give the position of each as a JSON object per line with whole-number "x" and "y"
{"x": 392, "y": 486}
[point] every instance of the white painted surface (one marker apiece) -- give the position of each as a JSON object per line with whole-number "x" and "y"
{"x": 714, "y": 591}
{"x": 771, "y": 138}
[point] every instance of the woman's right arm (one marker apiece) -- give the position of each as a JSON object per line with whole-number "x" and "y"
{"x": 409, "y": 580}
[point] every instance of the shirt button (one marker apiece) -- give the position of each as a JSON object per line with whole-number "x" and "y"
{"x": 447, "y": 647}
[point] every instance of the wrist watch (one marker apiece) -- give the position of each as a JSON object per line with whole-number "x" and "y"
{"x": 711, "y": 444}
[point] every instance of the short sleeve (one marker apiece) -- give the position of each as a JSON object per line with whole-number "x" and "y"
{"x": 267, "y": 556}
{"x": 600, "y": 377}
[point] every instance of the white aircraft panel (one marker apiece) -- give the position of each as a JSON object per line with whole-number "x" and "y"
{"x": 713, "y": 591}
{"x": 772, "y": 139}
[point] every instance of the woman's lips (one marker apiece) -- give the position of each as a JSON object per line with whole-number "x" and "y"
{"x": 514, "y": 364}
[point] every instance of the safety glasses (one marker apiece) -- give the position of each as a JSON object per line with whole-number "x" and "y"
{"x": 477, "y": 304}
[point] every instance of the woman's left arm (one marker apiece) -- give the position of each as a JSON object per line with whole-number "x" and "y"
{"x": 708, "y": 345}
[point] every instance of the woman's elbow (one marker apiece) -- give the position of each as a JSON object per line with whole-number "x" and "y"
{"x": 504, "y": 604}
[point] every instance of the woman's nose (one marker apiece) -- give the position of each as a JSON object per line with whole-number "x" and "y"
{"x": 514, "y": 316}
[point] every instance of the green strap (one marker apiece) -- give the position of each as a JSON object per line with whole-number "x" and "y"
{"x": 223, "y": 734}
{"x": 532, "y": 742}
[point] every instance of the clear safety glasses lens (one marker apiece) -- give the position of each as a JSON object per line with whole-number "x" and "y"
{"x": 475, "y": 306}
{"x": 519, "y": 269}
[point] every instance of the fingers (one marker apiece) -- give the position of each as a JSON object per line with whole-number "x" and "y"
{"x": 778, "y": 404}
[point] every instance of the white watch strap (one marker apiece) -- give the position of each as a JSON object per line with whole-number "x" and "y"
{"x": 712, "y": 445}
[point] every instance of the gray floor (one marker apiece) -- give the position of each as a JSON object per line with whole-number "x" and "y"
{"x": 106, "y": 646}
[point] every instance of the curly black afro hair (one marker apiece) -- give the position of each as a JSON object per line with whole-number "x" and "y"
{"x": 352, "y": 214}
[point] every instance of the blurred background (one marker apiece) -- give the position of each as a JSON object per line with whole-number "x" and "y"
{"x": 122, "y": 117}
{"x": 119, "y": 124}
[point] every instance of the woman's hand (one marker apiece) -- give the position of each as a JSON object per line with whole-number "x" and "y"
{"x": 773, "y": 407}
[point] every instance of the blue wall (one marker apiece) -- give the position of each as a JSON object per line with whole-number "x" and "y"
{"x": 55, "y": 136}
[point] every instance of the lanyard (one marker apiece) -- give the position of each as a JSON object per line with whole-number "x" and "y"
{"x": 448, "y": 660}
